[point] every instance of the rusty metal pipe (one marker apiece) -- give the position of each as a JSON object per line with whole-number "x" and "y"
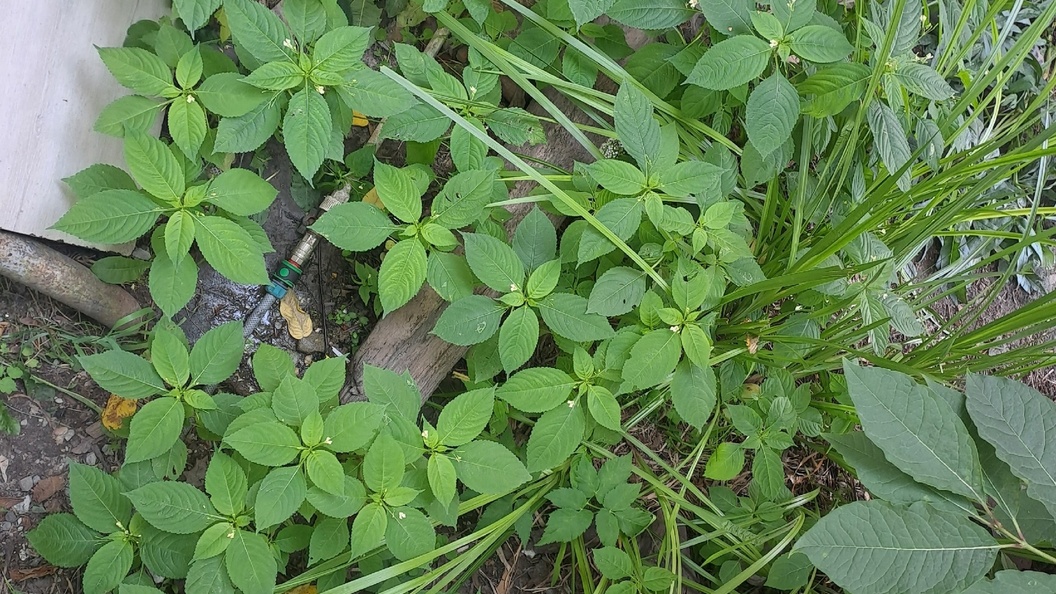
{"x": 45, "y": 270}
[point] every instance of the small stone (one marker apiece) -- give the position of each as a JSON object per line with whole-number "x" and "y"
{"x": 23, "y": 506}
{"x": 313, "y": 343}
{"x": 90, "y": 459}
{"x": 26, "y": 483}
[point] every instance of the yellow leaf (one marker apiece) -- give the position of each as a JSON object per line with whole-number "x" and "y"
{"x": 305, "y": 589}
{"x": 300, "y": 323}
{"x": 359, "y": 119}
{"x": 117, "y": 410}
{"x": 372, "y": 197}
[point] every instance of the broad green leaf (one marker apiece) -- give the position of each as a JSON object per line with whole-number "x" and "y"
{"x": 878, "y": 548}
{"x": 604, "y": 408}
{"x": 465, "y": 417}
{"x": 771, "y": 113}
{"x": 613, "y": 563}
{"x": 293, "y": 400}
{"x": 543, "y": 280}
{"x": 1012, "y": 581}
{"x": 240, "y": 191}
{"x": 155, "y": 167}
{"x": 619, "y": 290}
{"x": 327, "y": 377}
{"x": 64, "y": 541}
{"x": 494, "y": 262}
{"x": 269, "y": 443}
{"x": 167, "y": 555}
{"x": 110, "y": 216}
{"x": 834, "y": 88}
{"x": 99, "y": 177}
{"x": 398, "y": 192}
{"x": 107, "y": 567}
{"x": 555, "y": 437}
{"x": 383, "y": 465}
{"x": 768, "y": 475}
{"x": 408, "y": 533}
{"x": 171, "y": 286}
{"x": 329, "y": 538}
{"x": 441, "y": 475}
{"x": 306, "y": 131}
{"x": 97, "y": 500}
{"x": 923, "y": 80}
{"x": 820, "y": 44}
{"x": 173, "y": 507}
{"x": 449, "y": 275}
{"x": 217, "y": 354}
{"x": 271, "y": 365}
{"x": 154, "y": 429}
{"x": 249, "y": 560}
{"x": 230, "y": 250}
{"x": 535, "y": 239}
{"x": 650, "y": 14}
{"x": 651, "y": 66}
{"x": 341, "y": 48}
{"x": 487, "y": 467}
{"x": 725, "y": 462}
{"x": 884, "y": 480}
{"x": 179, "y": 235}
{"x": 187, "y": 125}
{"x": 729, "y": 17}
{"x": 690, "y": 177}
{"x": 402, "y": 274}
{"x": 917, "y": 432}
{"x": 469, "y": 321}
{"x": 118, "y": 270}
{"x": 636, "y": 128}
{"x": 247, "y": 132}
{"x": 419, "y": 123}
{"x": 195, "y": 13}
{"x": 622, "y": 216}
{"x": 694, "y": 393}
{"x": 395, "y": 391}
{"x": 652, "y": 359}
{"x": 257, "y": 30}
{"x": 731, "y": 63}
{"x": 518, "y": 337}
{"x": 617, "y": 177}
{"x": 585, "y": 11}
{"x": 697, "y": 345}
{"x": 565, "y": 525}
{"x": 139, "y": 70}
{"x": 354, "y": 226}
{"x": 339, "y": 506}
{"x": 281, "y": 492}
{"x": 516, "y": 126}
{"x": 463, "y": 198}
{"x": 537, "y": 389}
{"x": 1020, "y": 423}
{"x": 227, "y": 94}
{"x": 374, "y": 94}
{"x": 767, "y": 25}
{"x": 133, "y": 114}
{"x": 467, "y": 151}
{"x": 368, "y": 528}
{"x": 226, "y": 483}
{"x": 325, "y": 471}
{"x": 123, "y": 373}
{"x": 566, "y": 315}
{"x": 351, "y": 426}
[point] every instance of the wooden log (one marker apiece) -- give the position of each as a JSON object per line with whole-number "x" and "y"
{"x": 401, "y": 341}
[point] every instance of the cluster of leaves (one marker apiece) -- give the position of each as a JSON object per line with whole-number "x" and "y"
{"x": 950, "y": 470}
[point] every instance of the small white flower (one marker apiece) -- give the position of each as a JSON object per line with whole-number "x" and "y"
{"x": 190, "y": 98}
{"x": 773, "y": 43}
{"x": 402, "y": 515}
{"x": 571, "y": 404}
{"x": 674, "y": 329}
{"x": 288, "y": 44}
{"x": 231, "y": 534}
{"x": 328, "y": 441}
{"x": 513, "y": 288}
{"x": 425, "y": 434}
{"x": 320, "y": 89}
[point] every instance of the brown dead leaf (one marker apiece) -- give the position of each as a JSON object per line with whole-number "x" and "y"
{"x": 305, "y": 589}
{"x": 21, "y": 575}
{"x": 752, "y": 342}
{"x": 7, "y": 503}
{"x": 372, "y": 197}
{"x": 117, "y": 410}
{"x": 47, "y": 487}
{"x": 299, "y": 322}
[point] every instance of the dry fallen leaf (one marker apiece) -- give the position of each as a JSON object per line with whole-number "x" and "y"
{"x": 47, "y": 487}
{"x": 752, "y": 342}
{"x": 359, "y": 119}
{"x": 21, "y": 575}
{"x": 117, "y": 410}
{"x": 372, "y": 197}
{"x": 305, "y": 589}
{"x": 299, "y": 322}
